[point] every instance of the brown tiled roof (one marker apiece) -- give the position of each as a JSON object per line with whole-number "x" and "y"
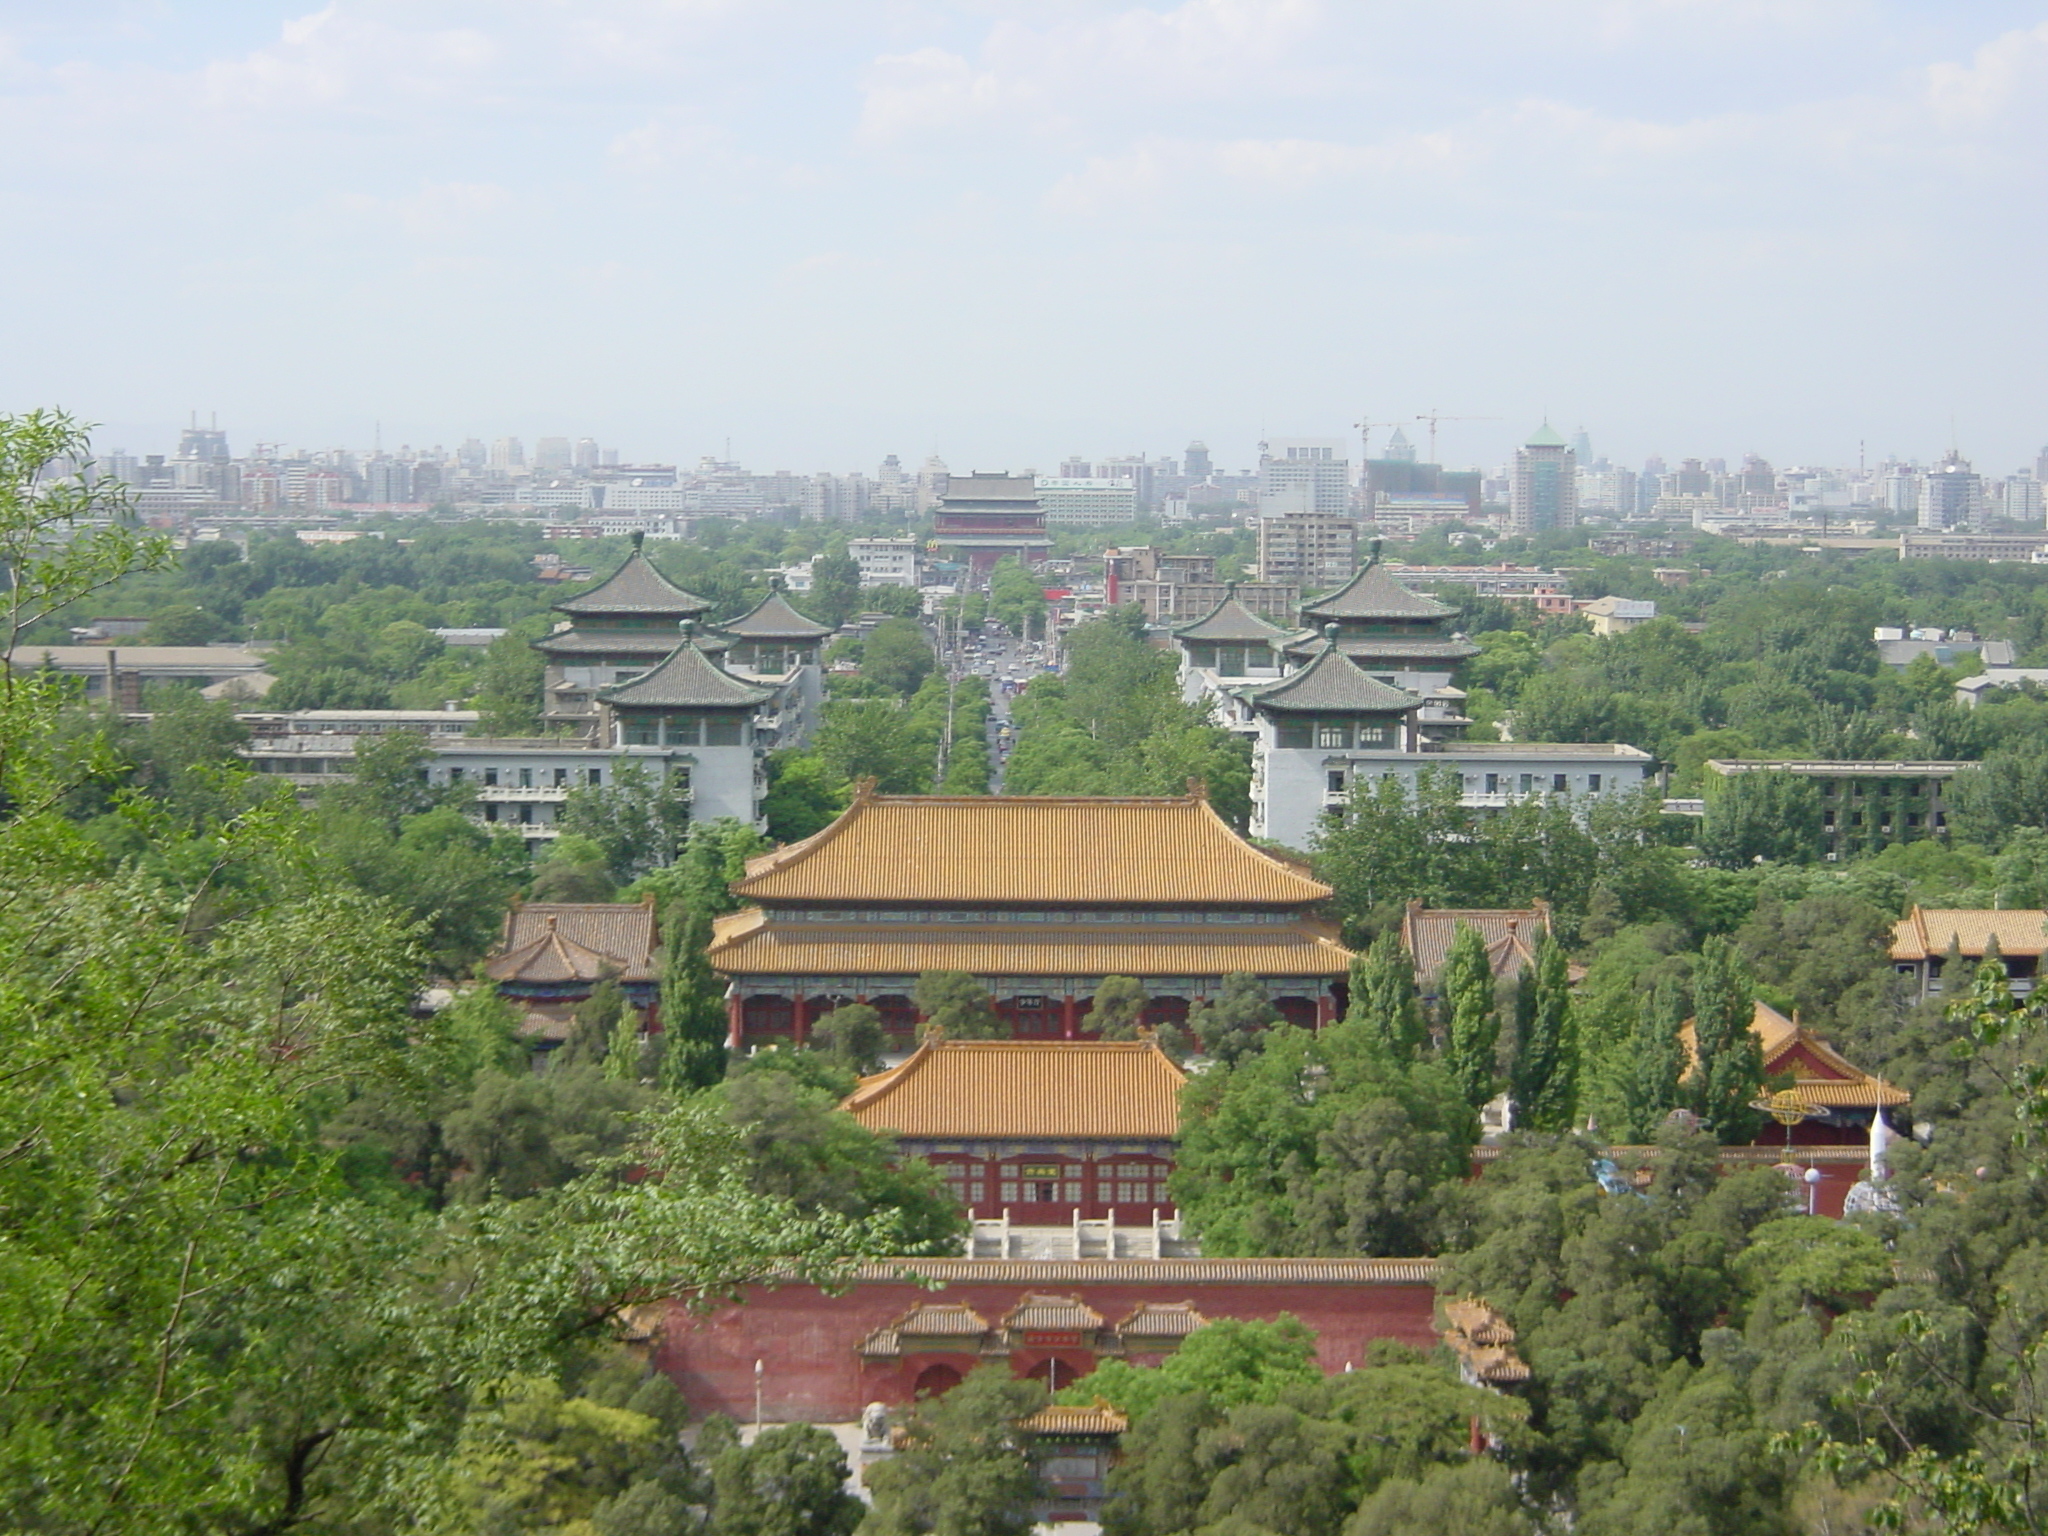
{"x": 1369, "y": 650}
{"x": 1510, "y": 933}
{"x": 1478, "y": 1322}
{"x": 1007, "y": 849}
{"x": 1230, "y": 620}
{"x": 551, "y": 934}
{"x": 1161, "y": 1320}
{"x": 1924, "y": 933}
{"x": 1373, "y": 594}
{"x": 1051, "y": 1314}
{"x": 688, "y": 679}
{"x": 751, "y": 943}
{"x": 772, "y": 618}
{"x": 636, "y": 587}
{"x": 1823, "y": 1076}
{"x": 1060, "y": 1419}
{"x": 1036, "y": 1088}
{"x": 1155, "y": 1271}
{"x": 1330, "y": 684}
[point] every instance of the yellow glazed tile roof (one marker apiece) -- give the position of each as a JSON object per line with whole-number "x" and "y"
{"x": 1038, "y": 1313}
{"x": 1161, "y": 1320}
{"x": 1024, "y": 851}
{"x": 1042, "y": 1089}
{"x": 1511, "y": 935}
{"x": 1924, "y": 933}
{"x": 1825, "y": 1078}
{"x": 1061, "y": 1419}
{"x": 750, "y": 943}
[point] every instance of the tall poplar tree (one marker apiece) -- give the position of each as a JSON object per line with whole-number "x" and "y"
{"x": 1383, "y": 995}
{"x": 693, "y": 1019}
{"x": 1471, "y": 1017}
{"x": 1545, "y": 1074}
{"x": 1728, "y": 1072}
{"x": 1655, "y": 1061}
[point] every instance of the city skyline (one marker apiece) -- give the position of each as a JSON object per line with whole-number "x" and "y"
{"x": 1010, "y": 230}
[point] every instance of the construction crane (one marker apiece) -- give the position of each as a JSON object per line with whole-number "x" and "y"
{"x": 1433, "y": 417}
{"x": 1365, "y": 430}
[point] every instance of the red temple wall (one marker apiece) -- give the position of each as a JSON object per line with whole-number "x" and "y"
{"x": 808, "y": 1342}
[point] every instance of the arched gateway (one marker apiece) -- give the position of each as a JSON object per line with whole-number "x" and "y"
{"x": 1039, "y": 899}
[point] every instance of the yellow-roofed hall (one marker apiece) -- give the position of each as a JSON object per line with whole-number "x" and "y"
{"x": 1038, "y": 898}
{"x": 1044, "y": 1130}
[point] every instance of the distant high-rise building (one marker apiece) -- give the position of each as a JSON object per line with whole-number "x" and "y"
{"x": 1310, "y": 550}
{"x": 1195, "y": 462}
{"x": 551, "y": 453}
{"x": 1543, "y": 491}
{"x": 472, "y": 455}
{"x": 1952, "y": 495}
{"x": 2020, "y": 498}
{"x": 1399, "y": 449}
{"x": 207, "y": 445}
{"x": 931, "y": 483}
{"x": 586, "y": 453}
{"x": 386, "y": 479}
{"x": 1304, "y": 474}
{"x": 1582, "y": 446}
{"x": 1074, "y": 467}
{"x": 508, "y": 454}
{"x": 2041, "y": 466}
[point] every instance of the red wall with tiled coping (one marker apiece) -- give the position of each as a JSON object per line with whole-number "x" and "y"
{"x": 809, "y": 1342}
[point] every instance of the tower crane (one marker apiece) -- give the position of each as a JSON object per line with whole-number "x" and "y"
{"x": 1433, "y": 417}
{"x": 1365, "y": 430}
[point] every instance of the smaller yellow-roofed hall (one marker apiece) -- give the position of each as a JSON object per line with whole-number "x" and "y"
{"x": 1041, "y": 1130}
{"x": 1039, "y": 899}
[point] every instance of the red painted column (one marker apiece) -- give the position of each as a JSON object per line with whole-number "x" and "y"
{"x": 799, "y": 1018}
{"x": 734, "y": 1022}
{"x": 1326, "y": 1010}
{"x": 1067, "y": 1017}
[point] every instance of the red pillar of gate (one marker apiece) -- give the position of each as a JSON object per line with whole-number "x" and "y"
{"x": 734, "y": 1022}
{"x": 1067, "y": 1017}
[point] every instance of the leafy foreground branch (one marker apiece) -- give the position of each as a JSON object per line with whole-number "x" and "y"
{"x": 205, "y": 1324}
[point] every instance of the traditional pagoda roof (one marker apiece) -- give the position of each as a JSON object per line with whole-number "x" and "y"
{"x": 625, "y": 642}
{"x": 1821, "y": 1075}
{"x": 1031, "y": 1088}
{"x": 687, "y": 679}
{"x": 1161, "y": 1320}
{"x": 1025, "y": 851}
{"x": 549, "y": 943}
{"x": 1374, "y": 594}
{"x": 1510, "y": 934}
{"x": 1483, "y": 1341}
{"x": 1063, "y": 1421}
{"x": 1230, "y": 621}
{"x": 751, "y": 943}
{"x": 1330, "y": 685}
{"x": 1368, "y": 649}
{"x": 1039, "y": 1313}
{"x": 772, "y": 618}
{"x": 636, "y": 587}
{"x": 1926, "y": 933}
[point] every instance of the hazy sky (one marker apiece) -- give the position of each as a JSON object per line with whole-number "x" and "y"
{"x": 1007, "y": 230}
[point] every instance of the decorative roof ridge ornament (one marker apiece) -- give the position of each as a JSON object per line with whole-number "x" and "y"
{"x": 639, "y": 537}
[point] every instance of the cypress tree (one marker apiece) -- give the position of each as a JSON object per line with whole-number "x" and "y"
{"x": 1383, "y": 995}
{"x": 693, "y": 1020}
{"x": 1655, "y": 1062}
{"x": 1544, "y": 1078}
{"x": 1729, "y": 1072}
{"x": 1471, "y": 1019}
